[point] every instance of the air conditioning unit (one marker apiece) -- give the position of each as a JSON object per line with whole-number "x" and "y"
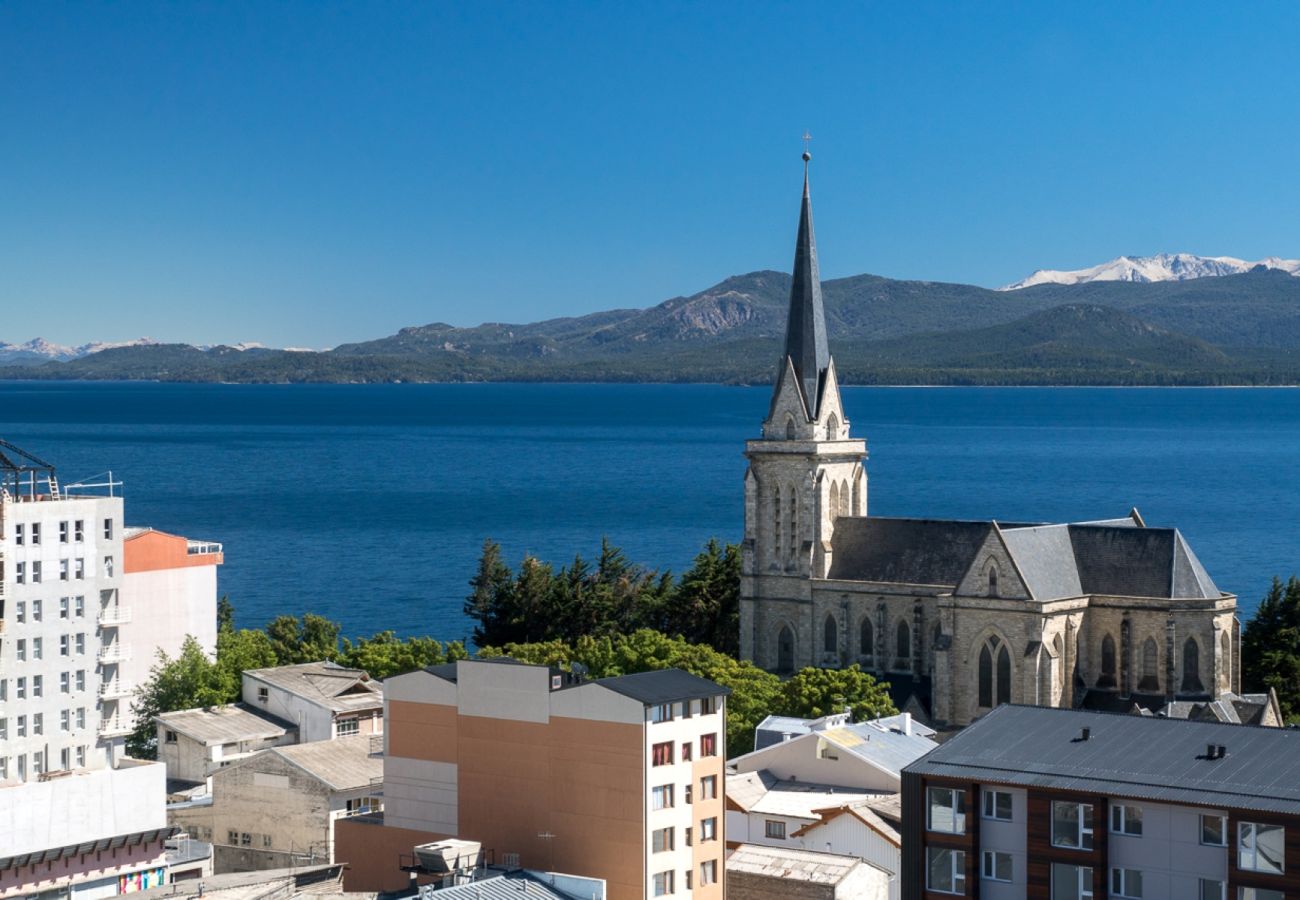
{"x": 452, "y": 855}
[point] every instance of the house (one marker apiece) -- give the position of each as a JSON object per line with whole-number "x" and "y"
{"x": 772, "y": 873}
{"x": 619, "y": 779}
{"x": 775, "y": 729}
{"x": 193, "y": 743}
{"x": 279, "y": 807}
{"x": 1038, "y": 802}
{"x": 323, "y": 699}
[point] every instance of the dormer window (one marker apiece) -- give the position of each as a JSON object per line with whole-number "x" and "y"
{"x": 789, "y": 429}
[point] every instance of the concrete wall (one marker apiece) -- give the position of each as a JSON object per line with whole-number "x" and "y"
{"x": 314, "y": 722}
{"x": 799, "y": 759}
{"x": 166, "y": 606}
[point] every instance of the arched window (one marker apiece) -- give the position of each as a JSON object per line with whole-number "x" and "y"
{"x": 857, "y": 495}
{"x": 789, "y": 428}
{"x": 934, "y": 644}
{"x": 1150, "y": 680}
{"x": 903, "y": 639}
{"x": 1107, "y": 677}
{"x": 844, "y": 499}
{"x": 867, "y": 640}
{"x": 1004, "y": 675}
{"x": 993, "y": 581}
{"x": 776, "y": 523}
{"x": 785, "y": 649}
{"x": 792, "y": 522}
{"x": 986, "y": 678}
{"x": 830, "y": 636}
{"x": 1192, "y": 667}
{"x": 834, "y": 504}
{"x": 832, "y": 427}
{"x": 1225, "y": 662}
{"x": 994, "y": 673}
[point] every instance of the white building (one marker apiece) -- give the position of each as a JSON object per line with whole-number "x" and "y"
{"x": 194, "y": 743}
{"x": 323, "y": 700}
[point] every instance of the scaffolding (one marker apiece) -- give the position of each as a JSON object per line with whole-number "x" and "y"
{"x": 25, "y": 476}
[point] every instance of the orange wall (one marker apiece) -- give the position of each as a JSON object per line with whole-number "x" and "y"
{"x": 704, "y": 809}
{"x": 150, "y": 551}
{"x": 372, "y": 852}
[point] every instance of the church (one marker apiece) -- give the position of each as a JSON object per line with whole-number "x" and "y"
{"x": 957, "y": 616}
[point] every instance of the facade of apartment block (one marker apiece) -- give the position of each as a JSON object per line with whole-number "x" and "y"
{"x": 620, "y": 779}
{"x": 1040, "y": 803}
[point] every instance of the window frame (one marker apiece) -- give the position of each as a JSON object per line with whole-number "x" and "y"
{"x": 1122, "y": 819}
{"x": 661, "y": 797}
{"x": 1223, "y": 830}
{"x": 1085, "y": 831}
{"x": 661, "y": 754}
{"x": 989, "y": 873}
{"x": 956, "y": 870}
{"x": 1241, "y": 827}
{"x": 771, "y": 827}
{"x": 957, "y": 803}
{"x": 1120, "y": 888}
{"x": 989, "y": 810}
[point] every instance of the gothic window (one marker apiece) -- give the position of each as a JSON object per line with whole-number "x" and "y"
{"x": 776, "y": 523}
{"x": 792, "y": 522}
{"x": 857, "y": 494}
{"x": 1004, "y": 675}
{"x": 1150, "y": 680}
{"x": 986, "y": 677}
{"x": 835, "y": 500}
{"x": 993, "y": 581}
{"x": 994, "y": 674}
{"x": 832, "y": 428}
{"x": 1107, "y": 677}
{"x": 830, "y": 636}
{"x": 844, "y": 499}
{"x": 1225, "y": 662}
{"x": 1192, "y": 666}
{"x": 867, "y": 640}
{"x": 903, "y": 639}
{"x": 785, "y": 649}
{"x": 934, "y": 644}
{"x": 789, "y": 428}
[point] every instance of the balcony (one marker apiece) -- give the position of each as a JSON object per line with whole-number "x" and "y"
{"x": 114, "y": 727}
{"x": 114, "y": 653}
{"x": 202, "y": 548}
{"x": 115, "y": 690}
{"x": 111, "y": 616}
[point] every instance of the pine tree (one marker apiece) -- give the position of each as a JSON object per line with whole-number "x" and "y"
{"x": 1270, "y": 646}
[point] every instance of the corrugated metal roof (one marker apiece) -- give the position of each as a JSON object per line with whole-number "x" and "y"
{"x": 224, "y": 724}
{"x": 663, "y": 686}
{"x": 889, "y": 749}
{"x": 502, "y": 887}
{"x": 1141, "y": 757}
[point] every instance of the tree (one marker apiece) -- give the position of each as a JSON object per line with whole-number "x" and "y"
{"x": 188, "y": 681}
{"x": 386, "y": 654}
{"x": 242, "y": 650}
{"x": 225, "y": 613}
{"x": 1270, "y": 646}
{"x": 491, "y": 599}
{"x": 812, "y": 693}
{"x": 309, "y": 639}
{"x": 705, "y": 607}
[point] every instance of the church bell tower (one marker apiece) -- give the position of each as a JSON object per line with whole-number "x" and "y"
{"x": 804, "y": 472}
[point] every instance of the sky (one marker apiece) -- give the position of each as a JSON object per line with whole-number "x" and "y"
{"x": 305, "y": 174}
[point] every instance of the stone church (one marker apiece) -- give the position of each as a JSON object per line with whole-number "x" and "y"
{"x": 958, "y": 616}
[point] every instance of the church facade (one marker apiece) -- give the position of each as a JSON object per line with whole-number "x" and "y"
{"x": 959, "y": 616}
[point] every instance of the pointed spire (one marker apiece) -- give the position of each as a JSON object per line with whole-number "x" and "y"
{"x": 805, "y": 331}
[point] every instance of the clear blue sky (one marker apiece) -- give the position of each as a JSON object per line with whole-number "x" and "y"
{"x": 310, "y": 173}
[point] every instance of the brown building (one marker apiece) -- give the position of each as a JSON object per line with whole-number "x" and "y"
{"x": 619, "y": 778}
{"x": 1066, "y": 804}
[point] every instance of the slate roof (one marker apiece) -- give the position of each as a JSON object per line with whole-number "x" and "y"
{"x": 904, "y": 551}
{"x": 805, "y": 330}
{"x": 1147, "y": 758}
{"x": 662, "y": 686}
{"x": 325, "y": 683}
{"x": 224, "y": 724}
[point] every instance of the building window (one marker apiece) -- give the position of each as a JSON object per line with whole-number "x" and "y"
{"x": 232, "y": 838}
{"x": 1071, "y": 882}
{"x": 80, "y": 605}
{"x": 81, "y": 717}
{"x": 36, "y": 532}
{"x": 20, "y": 687}
{"x": 170, "y": 737}
{"x": 1126, "y": 820}
{"x": 774, "y": 829}
{"x": 661, "y": 713}
{"x": 79, "y": 570}
{"x": 708, "y": 745}
{"x": 1260, "y": 847}
{"x": 994, "y": 691}
{"x": 65, "y": 645}
{"x": 997, "y": 866}
{"x": 20, "y": 611}
{"x": 1126, "y": 883}
{"x": 866, "y": 641}
{"x": 81, "y": 679}
{"x": 709, "y": 871}
{"x": 945, "y": 870}
{"x": 21, "y": 726}
{"x": 708, "y": 706}
{"x": 687, "y": 797}
{"x": 37, "y": 613}
{"x": 36, "y": 571}
{"x": 63, "y": 532}
{"x": 947, "y": 810}
{"x": 81, "y": 755}
{"x": 1150, "y": 667}
{"x": 20, "y": 650}
{"x": 709, "y": 829}
{"x": 830, "y": 636}
{"x": 661, "y": 797}
{"x": 245, "y": 839}
{"x": 38, "y": 685}
{"x": 263, "y": 694}
{"x": 266, "y": 841}
{"x": 63, "y": 570}
{"x": 81, "y": 643}
{"x": 903, "y": 641}
{"x": 347, "y": 727}
{"x": 108, "y": 566}
{"x": 4, "y": 729}
{"x": 65, "y": 722}
{"x": 663, "y": 883}
{"x": 38, "y": 723}
{"x": 20, "y": 573}
{"x": 686, "y": 709}
{"x": 1192, "y": 667}
{"x": 662, "y": 754}
{"x": 997, "y": 805}
{"x": 1072, "y": 825}
{"x": 20, "y": 536}
{"x": 1107, "y": 677}
{"x": 64, "y": 603}
{"x": 1250, "y": 893}
{"x": 686, "y": 751}
{"x": 108, "y": 529}
{"x": 362, "y": 806}
{"x": 79, "y": 531}
{"x": 1214, "y": 831}
{"x": 709, "y": 787}
{"x": 65, "y": 682}
{"x": 661, "y": 840}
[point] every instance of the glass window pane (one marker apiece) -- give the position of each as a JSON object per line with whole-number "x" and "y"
{"x": 1065, "y": 882}
{"x": 1270, "y": 842}
{"x": 940, "y": 869}
{"x": 1065, "y": 824}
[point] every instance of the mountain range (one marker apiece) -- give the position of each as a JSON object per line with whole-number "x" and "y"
{"x": 1161, "y": 267}
{"x": 1229, "y": 329}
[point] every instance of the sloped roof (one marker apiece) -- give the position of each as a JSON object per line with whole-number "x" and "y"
{"x": 224, "y": 724}
{"x": 325, "y": 683}
{"x": 343, "y": 764}
{"x": 904, "y": 551}
{"x": 889, "y": 749}
{"x": 1045, "y": 559}
{"x": 792, "y": 865}
{"x": 663, "y": 686}
{"x": 512, "y": 886}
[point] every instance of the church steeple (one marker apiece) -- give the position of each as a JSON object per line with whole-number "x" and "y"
{"x": 805, "y": 331}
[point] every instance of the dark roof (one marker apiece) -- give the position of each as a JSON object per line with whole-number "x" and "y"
{"x": 1138, "y": 562}
{"x": 663, "y": 686}
{"x": 906, "y": 551}
{"x": 805, "y": 330}
{"x": 1141, "y": 757}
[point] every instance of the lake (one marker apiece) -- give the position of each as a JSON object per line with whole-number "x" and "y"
{"x": 369, "y": 503}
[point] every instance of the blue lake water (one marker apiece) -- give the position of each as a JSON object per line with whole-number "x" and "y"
{"x": 369, "y": 503}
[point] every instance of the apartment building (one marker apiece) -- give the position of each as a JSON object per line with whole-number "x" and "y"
{"x": 1030, "y": 802}
{"x": 323, "y": 700}
{"x": 619, "y": 778}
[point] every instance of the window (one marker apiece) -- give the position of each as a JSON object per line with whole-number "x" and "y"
{"x": 36, "y": 532}
{"x": 1072, "y": 825}
{"x": 686, "y": 751}
{"x": 688, "y": 797}
{"x": 266, "y": 838}
{"x": 63, "y": 532}
{"x": 945, "y": 870}
{"x": 1126, "y": 820}
{"x": 1071, "y": 882}
{"x": 903, "y": 640}
{"x": 1260, "y": 847}
{"x": 774, "y": 829}
{"x": 263, "y": 694}
{"x": 709, "y": 787}
{"x": 1192, "y": 667}
{"x": 36, "y": 571}
{"x": 1125, "y": 883}
{"x": 65, "y": 645}
{"x": 20, "y": 536}
{"x": 997, "y": 805}
{"x": 169, "y": 736}
{"x": 108, "y": 566}
{"x": 687, "y": 835}
{"x": 1107, "y": 677}
{"x": 4, "y": 729}
{"x": 866, "y": 640}
{"x": 347, "y": 727}
{"x": 1214, "y": 831}
{"x": 709, "y": 871}
{"x": 38, "y": 762}
{"x": 997, "y": 866}
{"x": 663, "y": 883}
{"x": 661, "y": 797}
{"x": 232, "y": 837}
{"x": 108, "y": 529}
{"x": 38, "y": 649}
{"x": 1249, "y": 893}
{"x": 63, "y": 570}
{"x": 38, "y": 723}
{"x": 20, "y": 573}
{"x": 1150, "y": 667}
{"x": 245, "y": 839}
{"x": 361, "y": 806}
{"x": 65, "y": 682}
{"x": 20, "y": 687}
{"x": 81, "y": 679}
{"x": 687, "y": 876}
{"x": 709, "y": 829}
{"x": 708, "y": 706}
{"x": 64, "y": 604}
{"x": 79, "y": 530}
{"x": 20, "y": 726}
{"x": 65, "y": 721}
{"x": 81, "y": 717}
{"x": 947, "y": 810}
{"x": 20, "y": 650}
{"x": 38, "y": 685}
{"x": 81, "y": 643}
{"x": 20, "y": 611}
{"x": 661, "y": 713}
{"x": 686, "y": 709}
{"x": 661, "y": 840}
{"x": 36, "y": 611}
{"x": 80, "y": 605}
{"x": 830, "y": 636}
{"x": 79, "y": 569}
{"x": 662, "y": 754}
{"x": 708, "y": 745}
{"x": 81, "y": 755}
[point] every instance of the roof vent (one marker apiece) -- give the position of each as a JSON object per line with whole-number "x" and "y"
{"x": 1085, "y": 734}
{"x": 1222, "y": 752}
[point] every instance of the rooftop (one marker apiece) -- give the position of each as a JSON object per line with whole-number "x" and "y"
{"x": 281, "y": 883}
{"x": 763, "y": 793}
{"x": 792, "y": 865}
{"x": 663, "y": 686}
{"x": 884, "y": 747}
{"x": 224, "y": 724}
{"x": 1142, "y": 757}
{"x": 510, "y": 886}
{"x": 325, "y": 683}
{"x": 343, "y": 764}
{"x": 776, "y": 729}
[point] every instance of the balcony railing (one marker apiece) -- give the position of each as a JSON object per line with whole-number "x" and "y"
{"x": 114, "y": 653}
{"x": 114, "y": 615}
{"x": 115, "y": 690}
{"x": 115, "y": 726}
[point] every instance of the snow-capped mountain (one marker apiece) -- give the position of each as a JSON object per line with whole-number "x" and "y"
{"x": 1161, "y": 267}
{"x": 39, "y": 350}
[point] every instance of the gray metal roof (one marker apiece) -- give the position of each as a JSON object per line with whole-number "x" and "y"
{"x": 343, "y": 764}
{"x": 328, "y": 684}
{"x": 774, "y": 729}
{"x": 663, "y": 686}
{"x": 1140, "y": 757}
{"x": 513, "y": 886}
{"x": 224, "y": 724}
{"x": 805, "y": 330}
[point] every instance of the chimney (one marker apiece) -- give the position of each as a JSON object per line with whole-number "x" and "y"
{"x": 906, "y": 721}
{"x": 1211, "y": 751}
{"x": 1085, "y": 734}
{"x": 1223, "y": 751}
